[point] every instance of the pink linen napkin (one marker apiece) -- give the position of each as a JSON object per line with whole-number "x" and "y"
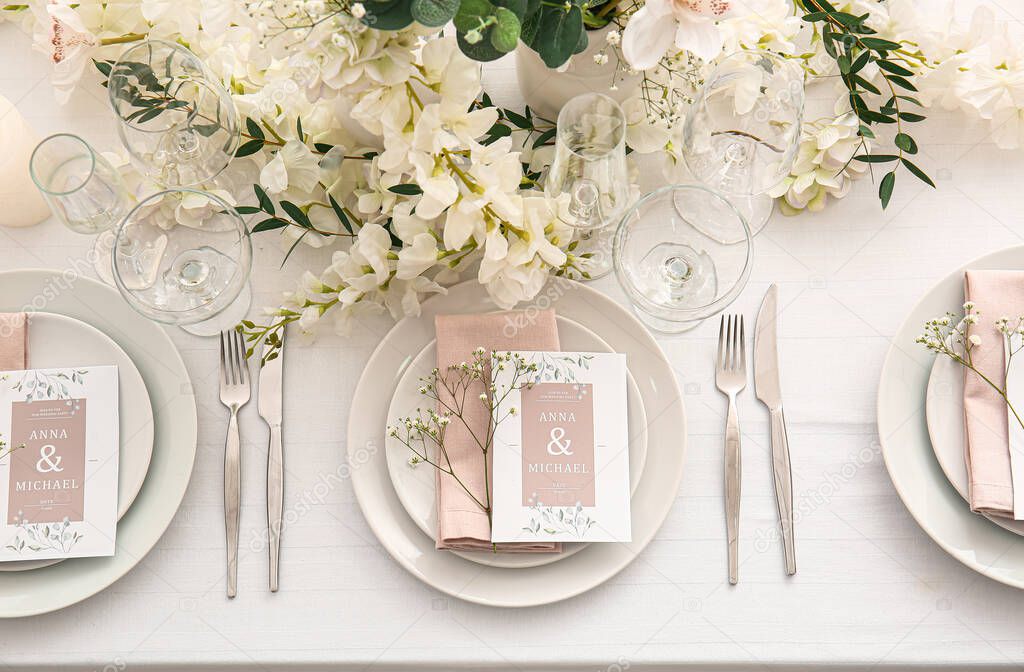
{"x": 13, "y": 341}
{"x": 994, "y": 294}
{"x": 461, "y": 524}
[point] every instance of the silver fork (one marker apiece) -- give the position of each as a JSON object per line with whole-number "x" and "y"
{"x": 234, "y": 393}
{"x": 731, "y": 378}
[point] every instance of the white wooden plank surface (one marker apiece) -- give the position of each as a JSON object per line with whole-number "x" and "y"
{"x": 872, "y": 587}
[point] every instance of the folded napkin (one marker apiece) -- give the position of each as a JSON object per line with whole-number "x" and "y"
{"x": 13, "y": 341}
{"x": 994, "y": 293}
{"x": 461, "y": 525}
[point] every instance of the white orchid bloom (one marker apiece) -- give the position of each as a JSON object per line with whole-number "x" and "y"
{"x": 402, "y": 297}
{"x": 417, "y": 258}
{"x": 462, "y": 223}
{"x": 407, "y": 224}
{"x": 372, "y": 248}
{"x": 377, "y": 197}
{"x": 439, "y": 187}
{"x": 65, "y": 39}
{"x": 294, "y": 166}
{"x": 661, "y": 25}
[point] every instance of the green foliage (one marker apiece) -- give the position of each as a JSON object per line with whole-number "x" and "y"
{"x": 848, "y": 39}
{"x": 489, "y": 29}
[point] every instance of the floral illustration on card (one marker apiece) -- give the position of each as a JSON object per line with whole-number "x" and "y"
{"x": 559, "y": 520}
{"x": 555, "y": 367}
{"x": 57, "y": 537}
{"x": 39, "y": 385}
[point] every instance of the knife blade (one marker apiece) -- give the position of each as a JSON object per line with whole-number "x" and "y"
{"x": 768, "y": 388}
{"x": 270, "y": 406}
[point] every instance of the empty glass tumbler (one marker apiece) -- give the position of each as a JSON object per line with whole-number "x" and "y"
{"x": 83, "y": 190}
{"x": 588, "y": 176}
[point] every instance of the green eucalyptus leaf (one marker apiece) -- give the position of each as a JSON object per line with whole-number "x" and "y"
{"x": 253, "y": 128}
{"x": 406, "y": 189}
{"x": 876, "y": 158}
{"x": 388, "y": 15}
{"x": 434, "y": 13}
{"x": 250, "y": 147}
{"x": 558, "y": 35}
{"x": 482, "y": 51}
{"x": 266, "y": 204}
{"x": 471, "y": 14}
{"x": 906, "y": 143}
{"x": 895, "y": 69}
{"x": 531, "y": 23}
{"x": 918, "y": 173}
{"x": 296, "y": 213}
{"x": 269, "y": 225}
{"x": 505, "y": 33}
{"x": 885, "y": 188}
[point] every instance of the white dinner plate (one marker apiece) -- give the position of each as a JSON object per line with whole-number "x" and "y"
{"x": 903, "y": 432}
{"x": 56, "y": 341}
{"x": 447, "y": 572}
{"x": 945, "y": 411}
{"x": 174, "y": 443}
{"x": 416, "y": 485}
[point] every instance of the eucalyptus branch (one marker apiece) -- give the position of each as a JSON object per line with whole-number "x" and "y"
{"x": 851, "y": 42}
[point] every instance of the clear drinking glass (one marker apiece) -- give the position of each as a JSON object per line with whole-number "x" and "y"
{"x": 183, "y": 257}
{"x": 83, "y": 190}
{"x": 589, "y": 176}
{"x": 175, "y": 119}
{"x": 743, "y": 131}
{"x": 673, "y": 272}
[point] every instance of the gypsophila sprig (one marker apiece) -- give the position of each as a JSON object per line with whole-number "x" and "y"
{"x": 950, "y": 336}
{"x": 451, "y": 392}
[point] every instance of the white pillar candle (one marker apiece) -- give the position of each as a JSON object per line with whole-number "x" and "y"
{"x": 21, "y": 204}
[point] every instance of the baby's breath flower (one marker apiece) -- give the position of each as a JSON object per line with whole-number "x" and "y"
{"x": 974, "y": 340}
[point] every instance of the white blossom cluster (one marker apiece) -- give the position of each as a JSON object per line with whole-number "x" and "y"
{"x": 395, "y": 108}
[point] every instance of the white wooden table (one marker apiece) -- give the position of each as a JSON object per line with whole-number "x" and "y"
{"x": 872, "y": 588}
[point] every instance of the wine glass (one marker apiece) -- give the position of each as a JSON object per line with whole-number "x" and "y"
{"x": 743, "y": 132}
{"x": 674, "y": 272}
{"x": 183, "y": 257}
{"x": 175, "y": 119}
{"x": 83, "y": 190}
{"x": 588, "y": 176}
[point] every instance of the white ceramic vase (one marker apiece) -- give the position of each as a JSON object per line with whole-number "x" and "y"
{"x": 546, "y": 90}
{"x": 21, "y": 204}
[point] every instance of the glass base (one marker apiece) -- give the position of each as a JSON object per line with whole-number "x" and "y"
{"x": 225, "y": 320}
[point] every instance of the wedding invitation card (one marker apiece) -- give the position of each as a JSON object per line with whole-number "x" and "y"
{"x": 561, "y": 447}
{"x": 58, "y": 471}
{"x": 1015, "y": 433}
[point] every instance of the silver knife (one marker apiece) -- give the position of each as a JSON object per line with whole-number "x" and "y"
{"x": 769, "y": 391}
{"x": 270, "y": 410}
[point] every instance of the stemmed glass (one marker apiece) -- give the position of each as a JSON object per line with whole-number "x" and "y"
{"x": 674, "y": 272}
{"x": 588, "y": 176}
{"x": 175, "y": 119}
{"x": 183, "y": 257}
{"x": 743, "y": 132}
{"x": 83, "y": 190}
